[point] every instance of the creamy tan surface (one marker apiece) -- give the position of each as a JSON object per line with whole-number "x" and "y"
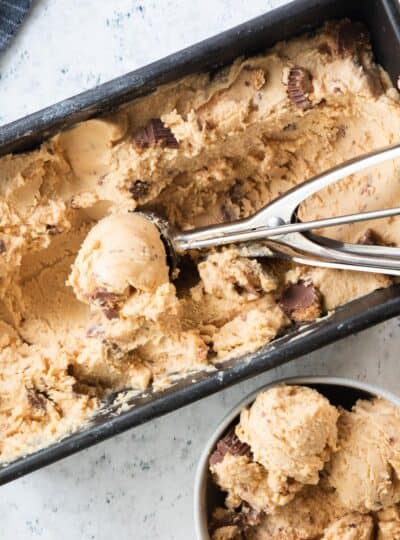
{"x": 291, "y": 431}
{"x": 79, "y": 321}
{"x": 353, "y": 493}
{"x": 245, "y": 480}
{"x": 306, "y": 517}
{"x": 389, "y": 523}
{"x": 122, "y": 254}
{"x": 350, "y": 527}
{"x": 366, "y": 469}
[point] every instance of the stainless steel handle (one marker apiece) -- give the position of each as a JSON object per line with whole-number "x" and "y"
{"x": 275, "y": 219}
{"x": 220, "y": 235}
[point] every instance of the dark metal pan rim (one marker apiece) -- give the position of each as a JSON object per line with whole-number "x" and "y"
{"x": 357, "y": 315}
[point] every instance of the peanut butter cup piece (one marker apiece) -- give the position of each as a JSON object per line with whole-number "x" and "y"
{"x": 299, "y": 87}
{"x": 230, "y": 444}
{"x": 301, "y": 301}
{"x": 3, "y": 248}
{"x": 155, "y": 133}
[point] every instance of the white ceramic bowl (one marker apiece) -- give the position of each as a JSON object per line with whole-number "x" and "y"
{"x": 340, "y": 391}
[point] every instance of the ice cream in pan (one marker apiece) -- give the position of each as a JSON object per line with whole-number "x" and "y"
{"x": 87, "y": 303}
{"x": 296, "y": 467}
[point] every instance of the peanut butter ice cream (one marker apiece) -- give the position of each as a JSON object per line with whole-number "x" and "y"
{"x": 350, "y": 527}
{"x": 122, "y": 254}
{"x": 291, "y": 431}
{"x": 388, "y": 523}
{"x": 87, "y": 305}
{"x": 366, "y": 469}
{"x": 344, "y": 481}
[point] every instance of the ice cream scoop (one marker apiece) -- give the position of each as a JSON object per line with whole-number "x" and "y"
{"x": 365, "y": 471}
{"x": 291, "y": 431}
{"x": 137, "y": 249}
{"x": 274, "y": 231}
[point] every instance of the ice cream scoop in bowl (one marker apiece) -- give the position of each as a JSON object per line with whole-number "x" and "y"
{"x": 316, "y": 472}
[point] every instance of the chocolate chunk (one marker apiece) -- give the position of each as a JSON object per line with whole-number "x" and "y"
{"x": 230, "y": 444}
{"x": 155, "y": 132}
{"x": 107, "y": 300}
{"x": 139, "y": 189}
{"x": 290, "y": 127}
{"x": 351, "y": 37}
{"x": 299, "y": 87}
{"x": 110, "y": 313}
{"x": 236, "y": 193}
{"x": 103, "y": 297}
{"x": 370, "y": 238}
{"x": 244, "y": 519}
{"x": 37, "y": 399}
{"x": 250, "y": 517}
{"x": 301, "y": 301}
{"x": 3, "y": 248}
{"x": 52, "y": 229}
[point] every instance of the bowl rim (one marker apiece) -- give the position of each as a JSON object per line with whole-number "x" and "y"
{"x": 200, "y": 517}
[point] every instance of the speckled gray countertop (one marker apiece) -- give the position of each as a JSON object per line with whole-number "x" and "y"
{"x": 138, "y": 485}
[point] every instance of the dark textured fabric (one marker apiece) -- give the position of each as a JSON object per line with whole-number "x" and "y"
{"x": 12, "y": 13}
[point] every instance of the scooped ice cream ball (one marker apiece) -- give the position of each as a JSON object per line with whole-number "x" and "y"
{"x": 366, "y": 469}
{"x": 291, "y": 431}
{"x": 122, "y": 254}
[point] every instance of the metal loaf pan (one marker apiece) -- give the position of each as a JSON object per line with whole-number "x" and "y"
{"x": 383, "y": 20}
